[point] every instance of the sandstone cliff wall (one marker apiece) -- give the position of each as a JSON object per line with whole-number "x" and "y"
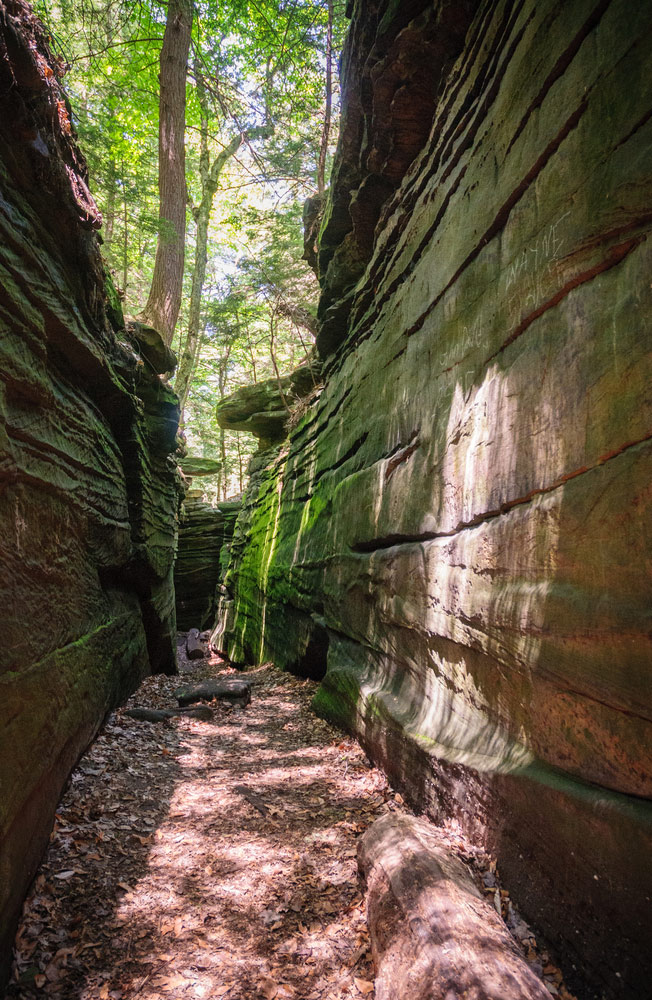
{"x": 202, "y": 556}
{"x": 88, "y": 488}
{"x": 457, "y": 534}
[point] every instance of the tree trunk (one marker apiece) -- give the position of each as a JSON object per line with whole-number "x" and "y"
{"x": 125, "y": 235}
{"x": 164, "y": 300}
{"x": 223, "y": 475}
{"x": 325, "y": 134}
{"x": 109, "y": 216}
{"x": 272, "y": 354}
{"x": 240, "y": 469}
{"x": 210, "y": 180}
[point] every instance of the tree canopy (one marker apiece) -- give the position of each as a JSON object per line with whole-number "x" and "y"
{"x": 258, "y": 132}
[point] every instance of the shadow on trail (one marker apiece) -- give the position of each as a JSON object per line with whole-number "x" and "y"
{"x": 163, "y": 880}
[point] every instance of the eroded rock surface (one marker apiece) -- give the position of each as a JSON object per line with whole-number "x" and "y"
{"x": 263, "y": 409}
{"x": 458, "y": 532}
{"x": 88, "y": 487}
{"x": 204, "y": 539}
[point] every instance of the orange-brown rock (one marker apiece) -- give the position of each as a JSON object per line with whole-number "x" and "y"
{"x": 88, "y": 485}
{"x": 457, "y": 534}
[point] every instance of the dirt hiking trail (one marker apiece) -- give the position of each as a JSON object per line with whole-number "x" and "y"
{"x": 217, "y": 859}
{"x": 206, "y": 859}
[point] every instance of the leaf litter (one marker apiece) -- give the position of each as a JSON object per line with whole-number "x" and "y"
{"x": 194, "y": 859}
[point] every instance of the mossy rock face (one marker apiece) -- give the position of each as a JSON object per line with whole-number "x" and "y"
{"x": 463, "y": 517}
{"x": 89, "y": 488}
{"x": 395, "y": 64}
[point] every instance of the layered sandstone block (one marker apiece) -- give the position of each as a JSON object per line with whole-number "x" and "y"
{"x": 88, "y": 484}
{"x": 202, "y": 554}
{"x": 458, "y": 532}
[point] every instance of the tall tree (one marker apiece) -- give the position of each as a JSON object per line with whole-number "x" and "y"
{"x": 209, "y": 173}
{"x": 328, "y": 104}
{"x": 164, "y": 301}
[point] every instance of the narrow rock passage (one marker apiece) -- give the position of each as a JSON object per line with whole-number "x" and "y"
{"x": 207, "y": 859}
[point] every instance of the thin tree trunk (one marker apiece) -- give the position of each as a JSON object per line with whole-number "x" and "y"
{"x": 164, "y": 302}
{"x": 109, "y": 217}
{"x": 272, "y": 354}
{"x": 325, "y": 134}
{"x": 210, "y": 180}
{"x": 240, "y": 470}
{"x": 125, "y": 235}
{"x": 223, "y": 454}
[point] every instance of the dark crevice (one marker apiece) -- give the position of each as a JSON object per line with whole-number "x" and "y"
{"x": 313, "y": 661}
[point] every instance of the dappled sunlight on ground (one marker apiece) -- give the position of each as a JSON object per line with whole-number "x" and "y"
{"x": 207, "y": 859}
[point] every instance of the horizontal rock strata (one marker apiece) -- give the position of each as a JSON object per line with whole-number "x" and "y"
{"x": 88, "y": 487}
{"x": 457, "y": 534}
{"x": 202, "y": 554}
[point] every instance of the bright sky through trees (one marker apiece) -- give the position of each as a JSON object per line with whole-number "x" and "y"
{"x": 256, "y": 124}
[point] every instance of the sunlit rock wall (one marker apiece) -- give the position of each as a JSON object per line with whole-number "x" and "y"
{"x": 88, "y": 488}
{"x": 458, "y": 532}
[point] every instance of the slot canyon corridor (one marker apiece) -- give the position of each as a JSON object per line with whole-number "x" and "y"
{"x": 217, "y": 858}
{"x": 325, "y": 499}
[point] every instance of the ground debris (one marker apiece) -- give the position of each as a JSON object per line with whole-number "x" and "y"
{"x": 236, "y": 691}
{"x": 163, "y": 714}
{"x": 162, "y": 882}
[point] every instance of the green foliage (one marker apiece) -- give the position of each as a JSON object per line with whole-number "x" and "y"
{"x": 257, "y": 69}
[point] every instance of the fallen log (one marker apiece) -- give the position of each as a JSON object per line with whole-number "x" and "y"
{"x": 194, "y": 648}
{"x": 238, "y": 692}
{"x": 162, "y": 714}
{"x": 253, "y": 799}
{"x": 433, "y": 935}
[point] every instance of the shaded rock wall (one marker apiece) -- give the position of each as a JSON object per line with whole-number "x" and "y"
{"x": 459, "y": 529}
{"x": 202, "y": 556}
{"x": 88, "y": 487}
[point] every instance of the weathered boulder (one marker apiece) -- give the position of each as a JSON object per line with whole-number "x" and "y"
{"x": 202, "y": 554}
{"x": 152, "y": 348}
{"x": 193, "y": 465}
{"x": 88, "y": 488}
{"x": 263, "y": 409}
{"x": 457, "y": 533}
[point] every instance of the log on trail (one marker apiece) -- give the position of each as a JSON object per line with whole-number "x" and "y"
{"x": 163, "y": 714}
{"x": 433, "y": 935}
{"x": 194, "y": 648}
{"x": 252, "y": 798}
{"x": 238, "y": 692}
